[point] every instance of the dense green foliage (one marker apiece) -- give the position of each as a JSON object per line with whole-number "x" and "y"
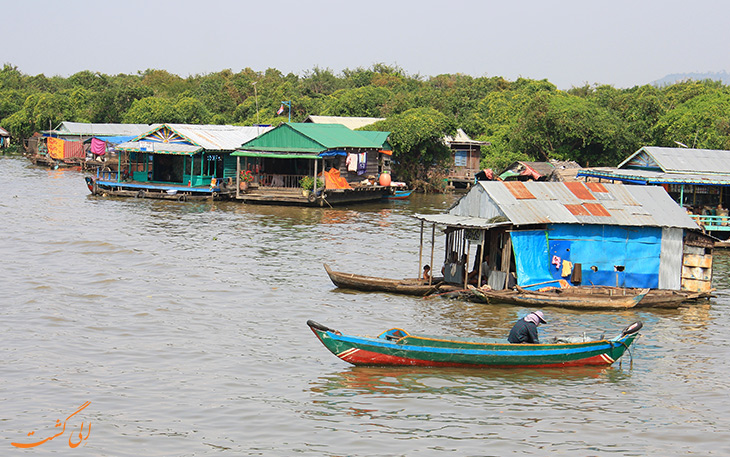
{"x": 523, "y": 119}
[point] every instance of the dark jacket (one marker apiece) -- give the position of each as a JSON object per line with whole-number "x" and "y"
{"x": 523, "y": 332}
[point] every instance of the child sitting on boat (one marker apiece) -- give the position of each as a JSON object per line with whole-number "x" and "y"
{"x": 427, "y": 272}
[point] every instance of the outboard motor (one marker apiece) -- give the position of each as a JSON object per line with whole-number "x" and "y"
{"x": 633, "y": 328}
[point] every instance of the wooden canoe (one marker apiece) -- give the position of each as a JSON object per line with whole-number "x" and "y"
{"x": 374, "y": 284}
{"x": 396, "y": 347}
{"x": 400, "y": 195}
{"x": 565, "y": 298}
{"x": 655, "y": 298}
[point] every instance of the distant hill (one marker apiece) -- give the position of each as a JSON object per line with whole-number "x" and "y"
{"x": 677, "y": 77}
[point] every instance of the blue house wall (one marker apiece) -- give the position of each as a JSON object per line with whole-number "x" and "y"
{"x": 608, "y": 255}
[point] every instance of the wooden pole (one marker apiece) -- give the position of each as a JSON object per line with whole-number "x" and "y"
{"x": 314, "y": 186}
{"x": 466, "y": 263}
{"x": 420, "y": 254}
{"x": 481, "y": 259}
{"x": 433, "y": 242}
{"x": 238, "y": 176}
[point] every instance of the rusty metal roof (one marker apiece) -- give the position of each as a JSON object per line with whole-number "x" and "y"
{"x": 531, "y": 202}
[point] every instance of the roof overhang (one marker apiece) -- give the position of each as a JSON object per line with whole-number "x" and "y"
{"x": 461, "y": 221}
{"x": 152, "y": 147}
{"x": 655, "y": 177}
{"x": 274, "y": 155}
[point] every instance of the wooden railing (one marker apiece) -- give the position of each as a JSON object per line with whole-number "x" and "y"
{"x": 273, "y": 180}
{"x": 712, "y": 223}
{"x": 107, "y": 175}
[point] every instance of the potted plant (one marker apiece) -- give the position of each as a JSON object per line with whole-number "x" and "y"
{"x": 246, "y": 178}
{"x": 307, "y": 184}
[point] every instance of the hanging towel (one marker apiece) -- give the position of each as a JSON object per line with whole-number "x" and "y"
{"x": 55, "y": 147}
{"x": 98, "y": 147}
{"x": 362, "y": 163}
{"x": 351, "y": 162}
{"x": 567, "y": 268}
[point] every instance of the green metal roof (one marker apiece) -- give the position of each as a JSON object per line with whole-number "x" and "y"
{"x": 273, "y": 155}
{"x": 315, "y": 138}
{"x": 377, "y": 137}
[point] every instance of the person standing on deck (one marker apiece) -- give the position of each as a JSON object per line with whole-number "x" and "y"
{"x": 525, "y": 329}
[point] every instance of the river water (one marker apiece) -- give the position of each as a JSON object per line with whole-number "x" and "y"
{"x": 183, "y": 325}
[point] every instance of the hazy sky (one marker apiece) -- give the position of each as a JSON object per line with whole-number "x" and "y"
{"x": 571, "y": 42}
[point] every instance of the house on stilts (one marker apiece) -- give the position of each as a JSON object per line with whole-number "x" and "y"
{"x": 536, "y": 234}
{"x": 176, "y": 161}
{"x": 313, "y": 165}
{"x": 697, "y": 179}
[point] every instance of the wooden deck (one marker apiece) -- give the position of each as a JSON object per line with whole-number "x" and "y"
{"x": 294, "y": 197}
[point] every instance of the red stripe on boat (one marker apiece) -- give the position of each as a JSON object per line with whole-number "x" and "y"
{"x": 363, "y": 357}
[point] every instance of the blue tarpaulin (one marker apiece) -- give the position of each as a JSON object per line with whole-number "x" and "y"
{"x": 332, "y": 153}
{"x": 531, "y": 257}
{"x": 608, "y": 255}
{"x": 116, "y": 139}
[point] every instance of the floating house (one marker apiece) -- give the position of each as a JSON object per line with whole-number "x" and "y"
{"x": 534, "y": 234}
{"x": 70, "y": 143}
{"x": 4, "y": 138}
{"x": 314, "y": 164}
{"x": 697, "y": 179}
{"x": 466, "y": 155}
{"x": 176, "y": 161}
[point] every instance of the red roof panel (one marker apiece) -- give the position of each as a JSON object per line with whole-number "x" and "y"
{"x": 596, "y": 209}
{"x": 579, "y": 190}
{"x": 519, "y": 190}
{"x": 577, "y": 210}
{"x": 597, "y": 187}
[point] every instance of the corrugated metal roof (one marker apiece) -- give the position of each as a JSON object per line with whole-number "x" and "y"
{"x": 159, "y": 148}
{"x": 655, "y": 177}
{"x": 686, "y": 160}
{"x": 458, "y": 221}
{"x": 349, "y": 122}
{"x": 86, "y": 129}
{"x": 216, "y": 137}
{"x": 619, "y": 205}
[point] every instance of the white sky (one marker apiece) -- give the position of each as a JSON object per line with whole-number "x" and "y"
{"x": 570, "y": 42}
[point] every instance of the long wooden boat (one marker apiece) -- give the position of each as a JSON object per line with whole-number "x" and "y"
{"x": 400, "y": 348}
{"x": 655, "y": 298}
{"x": 598, "y": 297}
{"x": 375, "y": 284}
{"x": 565, "y": 298}
{"x": 154, "y": 191}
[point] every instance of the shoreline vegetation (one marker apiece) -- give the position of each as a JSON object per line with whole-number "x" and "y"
{"x": 525, "y": 119}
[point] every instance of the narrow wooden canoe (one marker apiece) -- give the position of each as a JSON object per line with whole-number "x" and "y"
{"x": 396, "y": 347}
{"x": 565, "y": 298}
{"x": 400, "y": 195}
{"x": 374, "y": 284}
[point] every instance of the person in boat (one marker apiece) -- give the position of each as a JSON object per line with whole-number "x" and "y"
{"x": 474, "y": 273}
{"x": 426, "y": 272}
{"x": 525, "y": 330}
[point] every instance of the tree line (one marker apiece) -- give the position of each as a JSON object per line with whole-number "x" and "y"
{"x": 594, "y": 125}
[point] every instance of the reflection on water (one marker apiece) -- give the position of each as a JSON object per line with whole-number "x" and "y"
{"x": 184, "y": 326}
{"x": 405, "y": 381}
